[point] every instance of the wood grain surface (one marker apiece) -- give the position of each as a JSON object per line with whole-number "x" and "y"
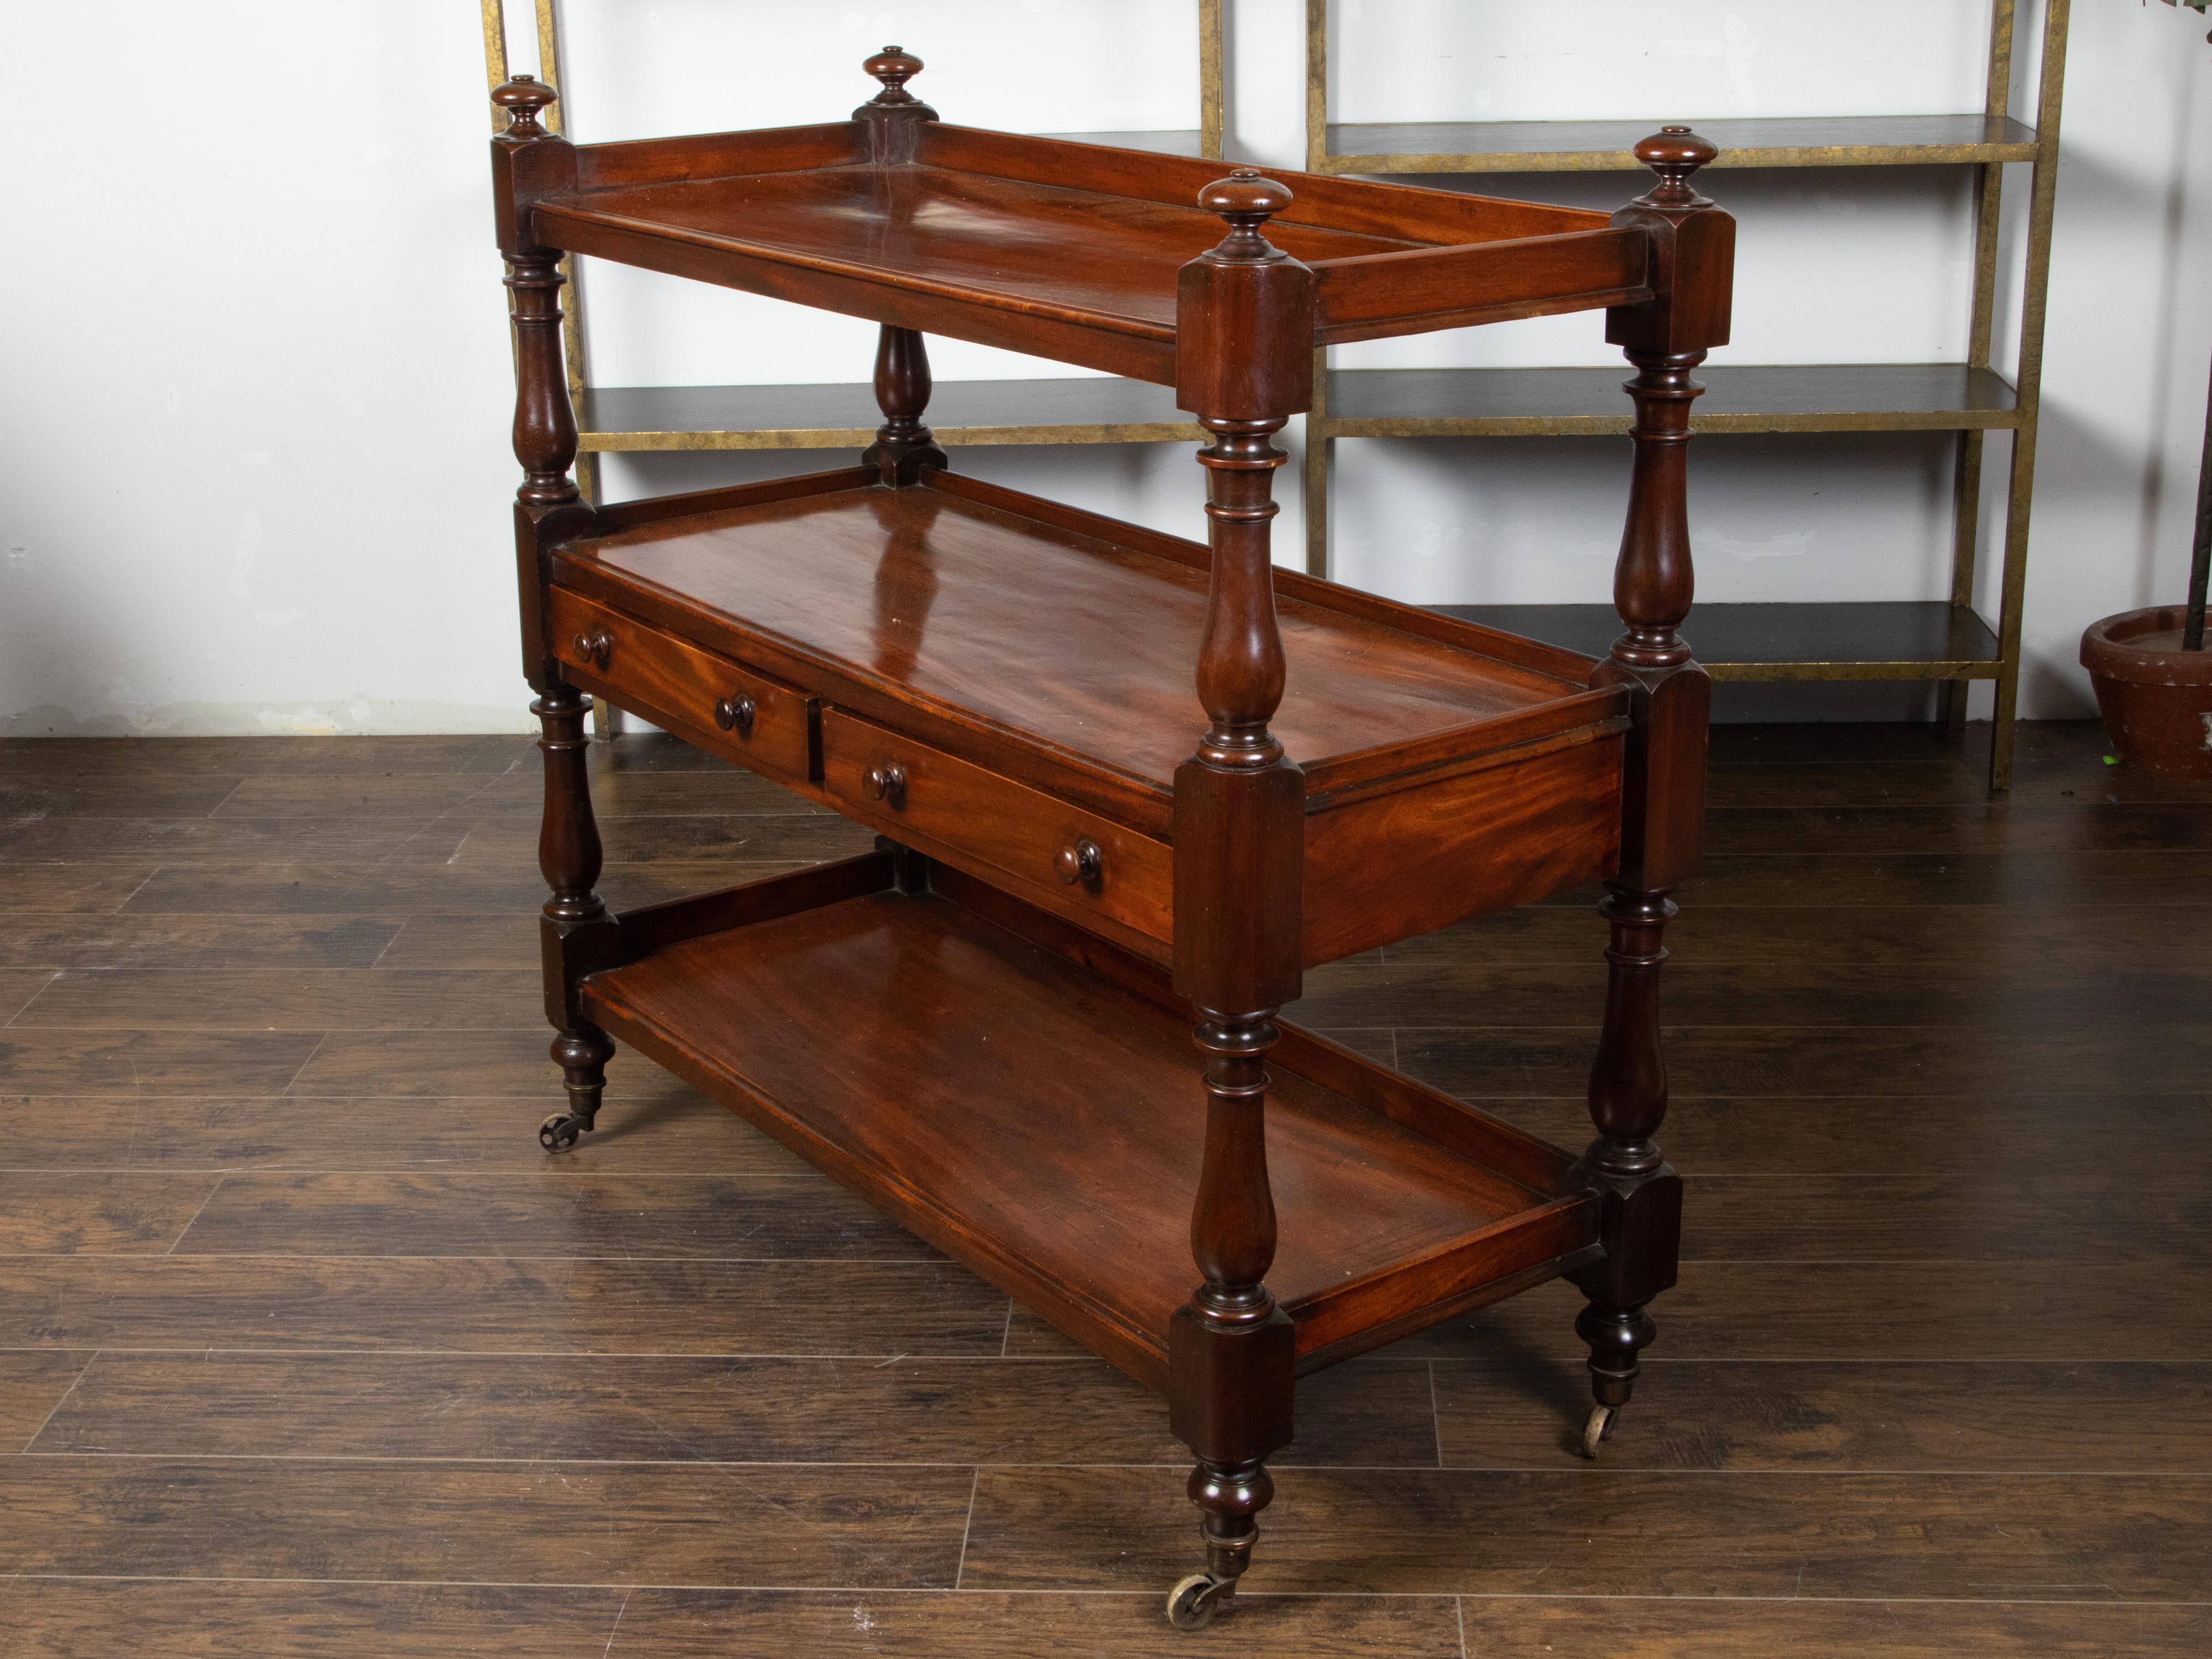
{"x": 1003, "y": 1149}
{"x": 306, "y": 1348}
{"x": 930, "y": 596}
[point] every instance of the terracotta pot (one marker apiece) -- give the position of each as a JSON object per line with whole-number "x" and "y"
{"x": 2156, "y": 698}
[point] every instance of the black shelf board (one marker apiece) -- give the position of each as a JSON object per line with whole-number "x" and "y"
{"x": 1900, "y": 639}
{"x": 1798, "y": 140}
{"x": 1576, "y": 402}
{"x": 1087, "y": 409}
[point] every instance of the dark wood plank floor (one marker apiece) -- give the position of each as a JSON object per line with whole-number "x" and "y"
{"x": 306, "y": 1348}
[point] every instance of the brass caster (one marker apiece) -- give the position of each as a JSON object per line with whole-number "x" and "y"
{"x": 1599, "y": 1429}
{"x": 561, "y": 1131}
{"x": 1193, "y": 1603}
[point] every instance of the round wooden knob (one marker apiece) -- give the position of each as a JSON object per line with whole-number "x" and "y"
{"x": 595, "y": 646}
{"x": 886, "y": 783}
{"x": 1245, "y": 197}
{"x": 894, "y": 66}
{"x": 1676, "y": 154}
{"x": 736, "y": 714}
{"x": 1082, "y": 860}
{"x": 522, "y": 98}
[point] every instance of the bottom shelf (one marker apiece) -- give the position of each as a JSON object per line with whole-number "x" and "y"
{"x": 1041, "y": 1119}
{"x": 1846, "y": 640}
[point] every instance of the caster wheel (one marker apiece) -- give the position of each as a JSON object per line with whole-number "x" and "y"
{"x": 1193, "y": 1604}
{"x": 1599, "y": 1429}
{"x": 561, "y": 1131}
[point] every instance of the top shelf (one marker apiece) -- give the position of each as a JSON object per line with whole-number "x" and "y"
{"x": 1064, "y": 250}
{"x": 1817, "y": 141}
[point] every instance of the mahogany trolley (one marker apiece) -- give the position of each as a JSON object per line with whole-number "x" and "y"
{"x": 981, "y": 1026}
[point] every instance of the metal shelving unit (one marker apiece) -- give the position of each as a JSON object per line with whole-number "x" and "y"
{"x": 1941, "y": 640}
{"x": 844, "y": 415}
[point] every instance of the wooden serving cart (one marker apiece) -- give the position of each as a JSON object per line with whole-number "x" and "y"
{"x": 983, "y": 1026}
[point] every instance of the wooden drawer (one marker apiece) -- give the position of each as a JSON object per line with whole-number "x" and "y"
{"x": 1081, "y": 865}
{"x": 760, "y": 723}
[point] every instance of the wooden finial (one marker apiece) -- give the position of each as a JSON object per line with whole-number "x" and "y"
{"x": 1247, "y": 201}
{"x": 1675, "y": 154}
{"x": 894, "y": 66}
{"x": 522, "y": 98}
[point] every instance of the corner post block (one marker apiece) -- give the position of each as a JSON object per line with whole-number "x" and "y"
{"x": 1244, "y": 343}
{"x": 576, "y": 935}
{"x": 1692, "y": 253}
{"x": 893, "y": 117}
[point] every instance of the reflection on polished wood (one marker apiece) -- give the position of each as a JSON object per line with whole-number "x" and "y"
{"x": 1061, "y": 250}
{"x": 954, "y": 230}
{"x": 933, "y": 595}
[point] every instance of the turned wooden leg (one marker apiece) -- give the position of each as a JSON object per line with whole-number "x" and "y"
{"x": 1663, "y": 764}
{"x": 1229, "y": 1350}
{"x": 1644, "y": 1196}
{"x": 575, "y": 931}
{"x": 1239, "y": 841}
{"x": 576, "y": 935}
{"x": 1229, "y": 1496}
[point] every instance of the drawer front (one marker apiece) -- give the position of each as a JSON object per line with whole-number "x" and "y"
{"x": 1079, "y": 863}
{"x": 759, "y": 723}
{"x": 1394, "y": 865}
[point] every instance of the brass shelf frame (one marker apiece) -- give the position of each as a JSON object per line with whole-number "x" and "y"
{"x": 844, "y": 415}
{"x": 1815, "y": 141}
{"x": 1970, "y": 398}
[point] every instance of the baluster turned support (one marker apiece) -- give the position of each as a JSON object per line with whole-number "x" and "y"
{"x": 545, "y": 421}
{"x": 1663, "y": 787}
{"x": 576, "y": 935}
{"x": 893, "y": 120}
{"x": 544, "y": 424}
{"x": 1243, "y": 311}
{"x": 903, "y": 444}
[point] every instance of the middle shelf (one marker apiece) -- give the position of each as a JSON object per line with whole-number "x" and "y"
{"x": 996, "y": 680}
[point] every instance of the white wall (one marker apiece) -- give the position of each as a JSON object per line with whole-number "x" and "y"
{"x": 256, "y": 357}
